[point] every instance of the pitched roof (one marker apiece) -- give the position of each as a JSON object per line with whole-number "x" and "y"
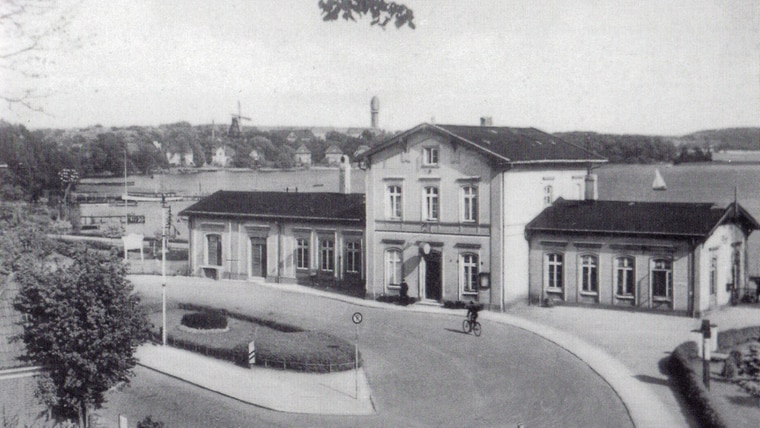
{"x": 333, "y": 150}
{"x": 303, "y": 149}
{"x": 510, "y": 145}
{"x": 665, "y": 219}
{"x": 312, "y": 207}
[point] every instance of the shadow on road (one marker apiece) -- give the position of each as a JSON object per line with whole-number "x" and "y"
{"x": 455, "y": 331}
{"x": 653, "y": 380}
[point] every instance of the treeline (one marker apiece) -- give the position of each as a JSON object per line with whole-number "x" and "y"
{"x": 35, "y": 158}
{"x": 625, "y": 148}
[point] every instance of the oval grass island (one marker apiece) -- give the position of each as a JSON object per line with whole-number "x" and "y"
{"x": 278, "y": 345}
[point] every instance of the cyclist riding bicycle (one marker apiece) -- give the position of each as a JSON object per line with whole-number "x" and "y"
{"x": 472, "y": 311}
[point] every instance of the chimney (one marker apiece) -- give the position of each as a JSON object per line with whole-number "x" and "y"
{"x": 486, "y": 121}
{"x": 591, "y": 193}
{"x": 344, "y": 169}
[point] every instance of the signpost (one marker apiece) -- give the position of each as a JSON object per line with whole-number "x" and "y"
{"x": 357, "y": 319}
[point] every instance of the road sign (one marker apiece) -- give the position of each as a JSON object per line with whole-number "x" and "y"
{"x": 357, "y": 318}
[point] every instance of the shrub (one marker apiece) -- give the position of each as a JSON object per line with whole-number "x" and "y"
{"x": 206, "y": 320}
{"x": 731, "y": 338}
{"x": 398, "y": 300}
{"x": 689, "y": 383}
{"x": 729, "y": 369}
{"x": 450, "y": 304}
{"x": 148, "y": 422}
{"x": 274, "y": 325}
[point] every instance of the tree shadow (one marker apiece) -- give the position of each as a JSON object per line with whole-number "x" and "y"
{"x": 653, "y": 380}
{"x": 744, "y": 400}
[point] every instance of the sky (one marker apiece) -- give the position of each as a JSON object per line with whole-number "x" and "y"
{"x": 615, "y": 66}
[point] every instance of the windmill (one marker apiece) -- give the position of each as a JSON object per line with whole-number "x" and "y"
{"x": 235, "y": 125}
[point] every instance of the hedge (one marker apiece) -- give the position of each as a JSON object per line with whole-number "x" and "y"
{"x": 274, "y": 325}
{"x": 205, "y": 320}
{"x": 690, "y": 385}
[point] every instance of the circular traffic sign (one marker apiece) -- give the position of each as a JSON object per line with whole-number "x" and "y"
{"x": 357, "y": 317}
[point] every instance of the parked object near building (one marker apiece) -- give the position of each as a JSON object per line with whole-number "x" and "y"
{"x": 688, "y": 258}
{"x": 447, "y": 207}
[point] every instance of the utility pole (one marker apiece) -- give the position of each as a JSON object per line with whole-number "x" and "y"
{"x": 163, "y": 275}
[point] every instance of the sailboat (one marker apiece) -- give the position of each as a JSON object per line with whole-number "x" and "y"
{"x": 659, "y": 183}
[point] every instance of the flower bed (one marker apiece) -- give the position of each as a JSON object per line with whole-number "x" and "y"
{"x": 278, "y": 345}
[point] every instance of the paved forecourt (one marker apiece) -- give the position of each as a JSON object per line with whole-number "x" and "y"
{"x": 422, "y": 369}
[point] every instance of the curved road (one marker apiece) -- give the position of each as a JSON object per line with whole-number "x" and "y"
{"x": 422, "y": 370}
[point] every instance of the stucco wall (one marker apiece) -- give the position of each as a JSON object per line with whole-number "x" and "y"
{"x": 721, "y": 245}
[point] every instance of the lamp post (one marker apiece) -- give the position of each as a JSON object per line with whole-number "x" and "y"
{"x": 163, "y": 276}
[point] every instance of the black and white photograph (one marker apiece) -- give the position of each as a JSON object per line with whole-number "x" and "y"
{"x": 379, "y": 213}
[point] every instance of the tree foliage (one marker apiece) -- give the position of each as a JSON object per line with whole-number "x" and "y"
{"x": 82, "y": 326}
{"x": 382, "y": 12}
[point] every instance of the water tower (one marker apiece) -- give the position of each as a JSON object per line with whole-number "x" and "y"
{"x": 374, "y": 107}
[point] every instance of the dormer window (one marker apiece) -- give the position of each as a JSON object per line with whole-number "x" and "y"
{"x": 430, "y": 156}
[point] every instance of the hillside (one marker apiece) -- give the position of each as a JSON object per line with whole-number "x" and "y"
{"x": 723, "y": 139}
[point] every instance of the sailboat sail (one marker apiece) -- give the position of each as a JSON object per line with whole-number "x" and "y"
{"x": 659, "y": 182}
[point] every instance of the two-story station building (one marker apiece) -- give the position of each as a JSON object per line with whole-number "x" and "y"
{"x": 447, "y": 207}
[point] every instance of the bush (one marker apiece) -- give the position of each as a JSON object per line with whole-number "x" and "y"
{"x": 451, "y": 304}
{"x": 689, "y": 383}
{"x": 148, "y": 422}
{"x": 397, "y": 300}
{"x": 731, "y": 338}
{"x": 206, "y": 320}
{"x": 274, "y": 325}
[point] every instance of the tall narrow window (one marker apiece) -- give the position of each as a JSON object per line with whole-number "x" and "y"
{"x": 393, "y": 202}
{"x": 662, "y": 279}
{"x": 625, "y": 275}
{"x": 214, "y": 250}
{"x": 431, "y": 204}
{"x": 430, "y": 156}
{"x": 302, "y": 253}
{"x": 469, "y": 204}
{"x": 554, "y": 271}
{"x": 393, "y": 271}
{"x": 469, "y": 271}
{"x": 353, "y": 257}
{"x": 327, "y": 254}
{"x": 713, "y": 275}
{"x": 589, "y": 274}
{"x": 548, "y": 195}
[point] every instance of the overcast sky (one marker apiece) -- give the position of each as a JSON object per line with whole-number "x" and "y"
{"x": 652, "y": 67}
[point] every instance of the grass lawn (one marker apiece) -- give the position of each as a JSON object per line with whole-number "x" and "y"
{"x": 296, "y": 350}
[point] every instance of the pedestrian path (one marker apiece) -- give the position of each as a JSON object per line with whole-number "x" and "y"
{"x": 340, "y": 393}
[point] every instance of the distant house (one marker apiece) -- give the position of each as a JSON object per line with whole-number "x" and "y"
{"x": 332, "y": 155}
{"x": 296, "y": 136}
{"x": 254, "y": 155}
{"x": 686, "y": 258}
{"x": 177, "y": 158}
{"x": 303, "y": 156}
{"x": 283, "y": 237}
{"x": 18, "y": 379}
{"x": 222, "y": 156}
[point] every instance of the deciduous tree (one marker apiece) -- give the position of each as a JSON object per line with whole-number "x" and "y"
{"x": 382, "y": 12}
{"x": 82, "y": 326}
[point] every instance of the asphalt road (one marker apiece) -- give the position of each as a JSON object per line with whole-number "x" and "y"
{"x": 422, "y": 369}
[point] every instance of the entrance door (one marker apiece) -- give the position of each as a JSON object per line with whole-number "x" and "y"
{"x": 433, "y": 276}
{"x": 258, "y": 257}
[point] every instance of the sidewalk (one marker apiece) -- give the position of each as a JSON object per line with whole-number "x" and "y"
{"x": 280, "y": 390}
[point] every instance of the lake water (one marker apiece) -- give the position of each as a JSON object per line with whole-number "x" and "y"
{"x": 686, "y": 183}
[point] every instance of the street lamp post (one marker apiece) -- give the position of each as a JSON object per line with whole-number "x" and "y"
{"x": 163, "y": 276}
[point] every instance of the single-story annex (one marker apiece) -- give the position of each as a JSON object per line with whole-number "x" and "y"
{"x": 681, "y": 257}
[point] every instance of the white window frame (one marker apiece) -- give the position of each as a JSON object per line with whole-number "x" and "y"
{"x": 353, "y": 256}
{"x": 550, "y": 272}
{"x": 431, "y": 156}
{"x": 393, "y": 263}
{"x": 393, "y": 201}
{"x": 548, "y": 195}
{"x": 714, "y": 275}
{"x": 303, "y": 253}
{"x": 624, "y": 273}
{"x": 668, "y": 278}
{"x": 220, "y": 249}
{"x": 469, "y": 204}
{"x": 468, "y": 273}
{"x": 431, "y": 203}
{"x": 326, "y": 254}
{"x": 589, "y": 273}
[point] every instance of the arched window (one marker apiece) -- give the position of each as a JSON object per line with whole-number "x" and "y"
{"x": 393, "y": 267}
{"x": 554, "y": 273}
{"x": 468, "y": 267}
{"x": 662, "y": 279}
{"x": 625, "y": 275}
{"x": 214, "y": 250}
{"x": 589, "y": 274}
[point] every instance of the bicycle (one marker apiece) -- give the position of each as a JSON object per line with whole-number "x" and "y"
{"x": 469, "y": 325}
